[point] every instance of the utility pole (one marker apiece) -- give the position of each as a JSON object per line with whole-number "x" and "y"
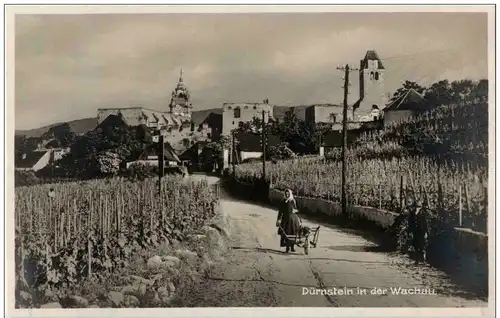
{"x": 233, "y": 152}
{"x": 346, "y": 70}
{"x": 263, "y": 146}
{"x": 161, "y": 160}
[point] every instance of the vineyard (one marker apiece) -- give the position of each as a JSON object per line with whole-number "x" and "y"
{"x": 69, "y": 233}
{"x": 440, "y": 155}
{"x": 377, "y": 183}
{"x": 453, "y": 131}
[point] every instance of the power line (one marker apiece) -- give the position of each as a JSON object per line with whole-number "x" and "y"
{"x": 407, "y": 75}
{"x": 423, "y": 53}
{"x": 431, "y": 71}
{"x": 412, "y": 68}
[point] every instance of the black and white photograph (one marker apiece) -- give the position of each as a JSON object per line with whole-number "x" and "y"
{"x": 308, "y": 159}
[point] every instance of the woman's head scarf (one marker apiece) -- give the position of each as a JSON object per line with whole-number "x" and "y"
{"x": 290, "y": 198}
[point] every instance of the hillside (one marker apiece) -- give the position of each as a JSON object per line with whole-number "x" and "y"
{"x": 79, "y": 126}
{"x": 84, "y": 125}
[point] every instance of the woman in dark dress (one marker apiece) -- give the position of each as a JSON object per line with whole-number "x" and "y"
{"x": 288, "y": 220}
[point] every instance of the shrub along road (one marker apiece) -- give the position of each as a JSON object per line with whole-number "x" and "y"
{"x": 257, "y": 272}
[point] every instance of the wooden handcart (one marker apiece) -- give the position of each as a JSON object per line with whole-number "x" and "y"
{"x": 303, "y": 238}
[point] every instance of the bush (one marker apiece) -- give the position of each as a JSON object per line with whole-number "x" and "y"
{"x": 280, "y": 152}
{"x": 139, "y": 171}
{"x": 176, "y": 170}
{"x": 249, "y": 160}
{"x": 25, "y": 178}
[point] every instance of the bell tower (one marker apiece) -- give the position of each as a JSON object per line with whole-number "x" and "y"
{"x": 180, "y": 103}
{"x": 371, "y": 85}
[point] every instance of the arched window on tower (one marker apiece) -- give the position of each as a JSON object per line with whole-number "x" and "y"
{"x": 371, "y": 76}
{"x": 376, "y": 76}
{"x": 237, "y": 112}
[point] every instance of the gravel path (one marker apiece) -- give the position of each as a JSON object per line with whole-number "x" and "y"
{"x": 342, "y": 271}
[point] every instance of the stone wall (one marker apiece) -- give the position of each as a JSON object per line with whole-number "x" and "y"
{"x": 462, "y": 252}
{"x": 381, "y": 218}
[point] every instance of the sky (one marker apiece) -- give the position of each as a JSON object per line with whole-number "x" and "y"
{"x": 68, "y": 66}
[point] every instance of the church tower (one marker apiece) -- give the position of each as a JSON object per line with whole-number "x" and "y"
{"x": 180, "y": 103}
{"x": 372, "y": 96}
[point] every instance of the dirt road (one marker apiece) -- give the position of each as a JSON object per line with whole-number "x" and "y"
{"x": 343, "y": 270}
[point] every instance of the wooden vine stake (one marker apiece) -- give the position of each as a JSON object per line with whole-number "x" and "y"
{"x": 460, "y": 208}
{"x": 75, "y": 218}
{"x": 413, "y": 187}
{"x": 31, "y": 215}
{"x": 440, "y": 200}
{"x": 380, "y": 196}
{"x": 56, "y": 235}
{"x": 151, "y": 212}
{"x": 100, "y": 213}
{"x": 119, "y": 203}
{"x": 89, "y": 237}
{"x": 467, "y": 200}
{"x": 61, "y": 230}
{"x": 105, "y": 241}
{"x": 68, "y": 227}
{"x": 485, "y": 203}
{"x": 141, "y": 208}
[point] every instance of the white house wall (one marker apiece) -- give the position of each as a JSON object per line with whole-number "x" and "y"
{"x": 395, "y": 116}
{"x": 244, "y": 155}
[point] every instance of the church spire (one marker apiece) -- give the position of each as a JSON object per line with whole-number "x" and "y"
{"x": 180, "y": 78}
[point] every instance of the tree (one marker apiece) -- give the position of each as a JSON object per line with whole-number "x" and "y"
{"x": 100, "y": 151}
{"x": 19, "y": 145}
{"x": 481, "y": 91}
{"x": 245, "y": 126}
{"x": 439, "y": 93}
{"x": 461, "y": 91}
{"x": 213, "y": 151}
{"x": 25, "y": 145}
{"x": 63, "y": 133}
{"x": 407, "y": 85}
{"x": 253, "y": 126}
{"x": 446, "y": 93}
{"x": 53, "y": 144}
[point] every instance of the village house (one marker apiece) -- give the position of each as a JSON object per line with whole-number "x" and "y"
{"x": 249, "y": 146}
{"x": 150, "y": 156}
{"x": 235, "y": 113}
{"x": 405, "y": 106}
{"x": 324, "y": 113}
{"x": 192, "y": 157}
{"x": 213, "y": 125}
{"x": 40, "y": 158}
